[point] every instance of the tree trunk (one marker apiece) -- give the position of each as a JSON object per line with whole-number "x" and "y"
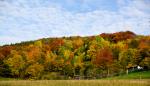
{"x": 127, "y": 71}
{"x": 108, "y": 73}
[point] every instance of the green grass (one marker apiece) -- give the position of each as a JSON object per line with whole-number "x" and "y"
{"x": 132, "y": 79}
{"x": 7, "y": 79}
{"x": 133, "y": 75}
{"x": 76, "y": 83}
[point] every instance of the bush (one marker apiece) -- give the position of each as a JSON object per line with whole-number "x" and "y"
{"x": 53, "y": 76}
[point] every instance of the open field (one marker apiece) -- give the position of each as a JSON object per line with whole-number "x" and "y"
{"x": 133, "y": 75}
{"x": 132, "y": 79}
{"x": 76, "y": 83}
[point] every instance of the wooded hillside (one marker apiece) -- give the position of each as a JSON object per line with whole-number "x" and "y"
{"x": 98, "y": 56}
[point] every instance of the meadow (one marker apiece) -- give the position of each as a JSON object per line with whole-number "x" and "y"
{"x": 132, "y": 75}
{"x": 132, "y": 79}
{"x": 75, "y": 83}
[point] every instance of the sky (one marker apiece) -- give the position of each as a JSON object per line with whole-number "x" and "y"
{"x": 24, "y": 20}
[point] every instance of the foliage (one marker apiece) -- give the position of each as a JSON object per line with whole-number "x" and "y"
{"x": 34, "y": 71}
{"x": 98, "y": 56}
{"x": 16, "y": 63}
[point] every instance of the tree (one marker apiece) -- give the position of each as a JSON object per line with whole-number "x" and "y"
{"x": 16, "y": 63}
{"x": 38, "y": 43}
{"x": 117, "y": 48}
{"x": 95, "y": 56}
{"x": 34, "y": 71}
{"x": 134, "y": 43}
{"x": 129, "y": 58}
{"x": 68, "y": 44}
{"x": 144, "y": 42}
{"x": 55, "y": 44}
{"x": 68, "y": 70}
{"x": 145, "y": 58}
{"x": 5, "y": 51}
{"x": 64, "y": 53}
{"x": 35, "y": 54}
{"x": 4, "y": 70}
{"x": 104, "y": 59}
{"x": 95, "y": 45}
{"x": 77, "y": 43}
{"x": 50, "y": 61}
{"x": 118, "y": 36}
{"x": 1, "y": 56}
{"x": 145, "y": 63}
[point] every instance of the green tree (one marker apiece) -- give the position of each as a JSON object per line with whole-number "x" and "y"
{"x": 16, "y": 63}
{"x": 4, "y": 69}
{"x": 34, "y": 71}
{"x": 129, "y": 58}
{"x": 145, "y": 58}
{"x": 117, "y": 48}
{"x": 38, "y": 43}
{"x": 145, "y": 63}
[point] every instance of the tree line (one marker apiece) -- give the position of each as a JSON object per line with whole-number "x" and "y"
{"x": 104, "y": 55}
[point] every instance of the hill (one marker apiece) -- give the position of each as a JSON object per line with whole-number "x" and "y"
{"x": 99, "y": 56}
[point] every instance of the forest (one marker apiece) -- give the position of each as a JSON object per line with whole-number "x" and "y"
{"x": 90, "y": 57}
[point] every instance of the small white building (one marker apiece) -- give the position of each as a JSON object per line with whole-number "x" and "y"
{"x": 139, "y": 68}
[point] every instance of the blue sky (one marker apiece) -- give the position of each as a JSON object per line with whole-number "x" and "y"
{"x": 23, "y": 20}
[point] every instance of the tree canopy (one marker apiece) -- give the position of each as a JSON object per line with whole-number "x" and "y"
{"x": 104, "y": 55}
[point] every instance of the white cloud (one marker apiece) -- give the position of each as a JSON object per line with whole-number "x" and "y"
{"x": 134, "y": 8}
{"x": 22, "y": 23}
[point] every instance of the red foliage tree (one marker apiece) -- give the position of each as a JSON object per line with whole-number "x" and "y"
{"x": 5, "y": 51}
{"x": 56, "y": 44}
{"x": 118, "y": 36}
{"x": 103, "y": 57}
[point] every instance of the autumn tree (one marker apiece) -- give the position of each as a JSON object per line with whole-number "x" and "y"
{"x": 117, "y": 48}
{"x": 78, "y": 42}
{"x": 104, "y": 59}
{"x": 38, "y": 43}
{"x": 98, "y": 56}
{"x": 5, "y": 71}
{"x": 95, "y": 45}
{"x": 16, "y": 63}
{"x": 50, "y": 61}
{"x": 129, "y": 58}
{"x": 145, "y": 58}
{"x": 55, "y": 44}
{"x": 34, "y": 71}
{"x": 118, "y": 36}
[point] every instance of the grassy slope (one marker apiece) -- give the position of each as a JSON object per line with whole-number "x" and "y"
{"x": 134, "y": 75}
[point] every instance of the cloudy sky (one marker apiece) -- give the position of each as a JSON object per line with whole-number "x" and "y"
{"x": 22, "y": 20}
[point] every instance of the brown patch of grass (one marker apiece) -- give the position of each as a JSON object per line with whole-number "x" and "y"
{"x": 76, "y": 83}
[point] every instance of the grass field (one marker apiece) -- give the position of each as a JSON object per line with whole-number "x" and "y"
{"x": 132, "y": 79}
{"x": 76, "y": 83}
{"x": 133, "y": 75}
